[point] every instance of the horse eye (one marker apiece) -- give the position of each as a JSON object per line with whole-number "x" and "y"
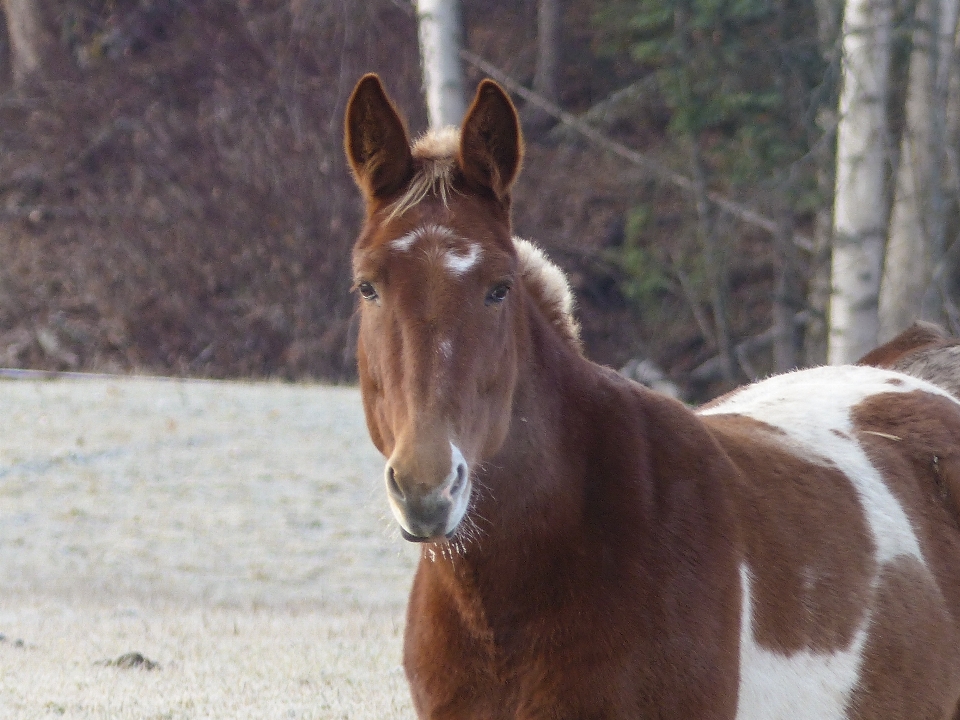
{"x": 367, "y": 291}
{"x": 498, "y": 294}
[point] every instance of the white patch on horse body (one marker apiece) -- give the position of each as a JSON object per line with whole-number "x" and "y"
{"x": 405, "y": 242}
{"x": 813, "y": 408}
{"x": 460, "y": 264}
{"x": 804, "y": 685}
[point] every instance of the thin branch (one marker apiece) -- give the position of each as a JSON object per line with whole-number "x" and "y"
{"x": 656, "y": 169}
{"x": 598, "y": 113}
{"x": 712, "y": 369}
{"x": 688, "y": 291}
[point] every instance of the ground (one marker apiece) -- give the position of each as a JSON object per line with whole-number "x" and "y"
{"x": 233, "y": 533}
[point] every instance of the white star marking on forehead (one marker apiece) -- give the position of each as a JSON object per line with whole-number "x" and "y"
{"x": 405, "y": 242}
{"x": 459, "y": 264}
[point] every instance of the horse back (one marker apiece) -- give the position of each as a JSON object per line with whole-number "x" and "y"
{"x": 846, "y": 503}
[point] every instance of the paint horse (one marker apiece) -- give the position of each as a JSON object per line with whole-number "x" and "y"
{"x": 592, "y": 549}
{"x": 923, "y": 350}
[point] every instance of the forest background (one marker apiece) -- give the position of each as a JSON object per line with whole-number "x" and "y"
{"x": 734, "y": 187}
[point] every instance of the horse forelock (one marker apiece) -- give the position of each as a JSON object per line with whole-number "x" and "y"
{"x": 435, "y": 158}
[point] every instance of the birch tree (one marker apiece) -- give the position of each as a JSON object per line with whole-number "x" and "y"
{"x": 546, "y": 77}
{"x": 34, "y": 48}
{"x": 860, "y": 200}
{"x": 918, "y": 219}
{"x": 441, "y": 32}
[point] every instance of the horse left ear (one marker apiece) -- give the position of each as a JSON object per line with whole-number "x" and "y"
{"x": 376, "y": 141}
{"x": 491, "y": 144}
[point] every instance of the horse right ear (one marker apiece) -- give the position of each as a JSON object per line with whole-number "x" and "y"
{"x": 376, "y": 141}
{"x": 491, "y": 144}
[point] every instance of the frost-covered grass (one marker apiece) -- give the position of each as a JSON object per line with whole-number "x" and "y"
{"x": 234, "y": 533}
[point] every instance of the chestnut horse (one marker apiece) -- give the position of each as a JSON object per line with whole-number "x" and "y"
{"x": 592, "y": 549}
{"x": 923, "y": 350}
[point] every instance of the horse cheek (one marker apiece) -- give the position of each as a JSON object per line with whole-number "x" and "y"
{"x": 497, "y": 406}
{"x": 376, "y": 403}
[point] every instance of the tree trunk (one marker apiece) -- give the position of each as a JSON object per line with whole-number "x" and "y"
{"x": 860, "y": 203}
{"x": 441, "y": 31}
{"x": 546, "y": 78}
{"x": 918, "y": 221}
{"x": 35, "y": 51}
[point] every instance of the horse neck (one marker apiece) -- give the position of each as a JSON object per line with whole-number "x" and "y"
{"x": 531, "y": 497}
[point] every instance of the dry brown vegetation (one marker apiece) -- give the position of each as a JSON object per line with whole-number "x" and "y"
{"x": 179, "y": 202}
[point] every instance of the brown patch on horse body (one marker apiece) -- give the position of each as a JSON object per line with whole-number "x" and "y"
{"x": 924, "y": 351}
{"x": 808, "y": 546}
{"x": 919, "y": 335}
{"x": 939, "y": 365}
{"x": 917, "y": 608}
{"x": 908, "y": 612}
{"x": 922, "y": 469}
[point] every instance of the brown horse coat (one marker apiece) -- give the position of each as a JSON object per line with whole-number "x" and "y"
{"x": 592, "y": 549}
{"x": 924, "y": 351}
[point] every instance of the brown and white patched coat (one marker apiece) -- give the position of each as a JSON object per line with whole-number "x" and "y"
{"x": 592, "y": 549}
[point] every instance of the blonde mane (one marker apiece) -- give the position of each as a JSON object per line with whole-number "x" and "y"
{"x": 436, "y": 151}
{"x": 550, "y": 288}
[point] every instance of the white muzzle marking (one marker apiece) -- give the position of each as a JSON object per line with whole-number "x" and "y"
{"x": 453, "y": 495}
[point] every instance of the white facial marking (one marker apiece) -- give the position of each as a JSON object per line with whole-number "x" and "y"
{"x": 460, "y": 498}
{"x": 459, "y": 264}
{"x": 405, "y": 242}
{"x": 813, "y": 407}
{"x": 803, "y": 685}
{"x": 454, "y": 492}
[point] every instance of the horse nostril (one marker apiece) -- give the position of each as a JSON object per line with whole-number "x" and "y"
{"x": 461, "y": 477}
{"x": 392, "y": 485}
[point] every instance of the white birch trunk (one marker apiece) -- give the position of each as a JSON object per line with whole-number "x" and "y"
{"x": 25, "y": 31}
{"x": 918, "y": 222}
{"x": 860, "y": 205}
{"x": 545, "y": 79}
{"x": 35, "y": 50}
{"x": 441, "y": 31}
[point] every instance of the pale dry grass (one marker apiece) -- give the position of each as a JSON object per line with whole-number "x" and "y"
{"x": 236, "y": 534}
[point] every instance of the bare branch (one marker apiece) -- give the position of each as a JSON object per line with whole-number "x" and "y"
{"x": 656, "y": 169}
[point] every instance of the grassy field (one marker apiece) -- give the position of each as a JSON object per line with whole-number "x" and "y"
{"x": 234, "y": 534}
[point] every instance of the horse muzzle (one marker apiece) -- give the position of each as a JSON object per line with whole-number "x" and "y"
{"x": 428, "y": 512}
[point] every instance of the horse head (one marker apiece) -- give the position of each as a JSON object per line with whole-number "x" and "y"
{"x": 436, "y": 270}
